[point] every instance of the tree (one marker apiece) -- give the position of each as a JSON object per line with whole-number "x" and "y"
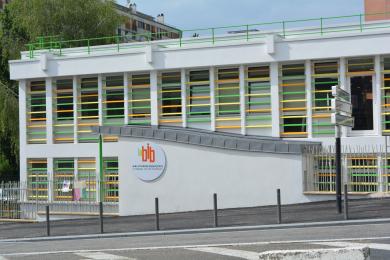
{"x": 23, "y": 22}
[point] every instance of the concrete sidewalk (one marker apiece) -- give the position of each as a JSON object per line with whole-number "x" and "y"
{"x": 298, "y": 213}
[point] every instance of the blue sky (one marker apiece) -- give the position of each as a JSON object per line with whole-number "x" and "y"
{"x": 190, "y": 14}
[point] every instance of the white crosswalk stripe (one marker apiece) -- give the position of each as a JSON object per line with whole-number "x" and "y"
{"x": 101, "y": 256}
{"x": 228, "y": 252}
{"x": 350, "y": 244}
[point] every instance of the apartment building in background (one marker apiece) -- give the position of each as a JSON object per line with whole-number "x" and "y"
{"x": 379, "y": 10}
{"x": 138, "y": 26}
{"x": 143, "y": 27}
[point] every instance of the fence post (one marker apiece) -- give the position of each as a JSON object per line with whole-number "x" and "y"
{"x": 213, "y": 35}
{"x": 284, "y": 28}
{"x": 361, "y": 22}
{"x": 157, "y": 213}
{"x": 321, "y": 26}
{"x": 48, "y": 220}
{"x": 279, "y": 206}
{"x": 247, "y": 32}
{"x": 215, "y": 210}
{"x": 346, "y": 201}
{"x": 101, "y": 217}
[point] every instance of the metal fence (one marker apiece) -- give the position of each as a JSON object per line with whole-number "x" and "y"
{"x": 319, "y": 26}
{"x": 24, "y": 200}
{"x": 364, "y": 169}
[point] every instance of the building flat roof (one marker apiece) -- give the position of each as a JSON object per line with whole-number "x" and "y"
{"x": 293, "y": 29}
{"x": 229, "y": 141}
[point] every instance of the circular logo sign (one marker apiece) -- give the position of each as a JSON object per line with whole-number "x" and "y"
{"x": 148, "y": 161}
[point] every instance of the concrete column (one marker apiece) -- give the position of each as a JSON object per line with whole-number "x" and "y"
{"x": 49, "y": 110}
{"x": 75, "y": 107}
{"x": 377, "y": 102}
{"x": 22, "y": 131}
{"x": 183, "y": 98}
{"x": 154, "y": 97}
{"x": 274, "y": 74}
{"x": 100, "y": 98}
{"x": 309, "y": 123}
{"x": 50, "y": 188}
{"x": 242, "y": 100}
{"x": 126, "y": 97}
{"x": 212, "y": 98}
{"x": 76, "y": 169}
{"x": 344, "y": 86}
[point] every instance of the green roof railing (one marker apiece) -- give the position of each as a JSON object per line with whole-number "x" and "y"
{"x": 290, "y": 28}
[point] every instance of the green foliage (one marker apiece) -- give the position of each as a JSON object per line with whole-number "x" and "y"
{"x": 21, "y": 22}
{"x": 67, "y": 19}
{"x": 9, "y": 129}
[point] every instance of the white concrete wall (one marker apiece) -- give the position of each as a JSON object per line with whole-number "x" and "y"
{"x": 193, "y": 56}
{"x": 194, "y": 173}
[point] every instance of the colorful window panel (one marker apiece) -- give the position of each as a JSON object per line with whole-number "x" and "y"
{"x": 198, "y": 96}
{"x": 258, "y": 97}
{"x": 324, "y": 76}
{"x": 63, "y": 112}
{"x": 324, "y": 173}
{"x": 37, "y": 180}
{"x": 63, "y": 179}
{"x": 363, "y": 172}
{"x": 386, "y": 96}
{"x": 113, "y": 104}
{"x": 139, "y": 100}
{"x": 360, "y": 66}
{"x": 293, "y": 100}
{"x": 36, "y": 113}
{"x": 170, "y": 98}
{"x": 88, "y": 109}
{"x": 111, "y": 180}
{"x": 86, "y": 179}
{"x": 227, "y": 99}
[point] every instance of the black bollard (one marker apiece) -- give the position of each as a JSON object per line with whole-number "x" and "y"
{"x": 48, "y": 220}
{"x": 101, "y": 217}
{"x": 215, "y": 210}
{"x": 279, "y": 206}
{"x": 157, "y": 213}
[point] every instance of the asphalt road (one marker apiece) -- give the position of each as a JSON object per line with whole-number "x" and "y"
{"x": 215, "y": 245}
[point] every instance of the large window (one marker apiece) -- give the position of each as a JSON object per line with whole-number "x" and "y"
{"x": 360, "y": 72}
{"x": 171, "y": 94}
{"x": 63, "y": 116}
{"x": 139, "y": 99}
{"x": 293, "y": 100}
{"x": 199, "y": 93}
{"x": 36, "y": 112}
{"x": 361, "y": 97}
{"x": 228, "y": 92}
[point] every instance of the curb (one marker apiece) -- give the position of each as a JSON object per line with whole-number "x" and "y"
{"x": 200, "y": 230}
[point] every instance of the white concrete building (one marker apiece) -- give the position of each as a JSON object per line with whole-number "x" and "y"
{"x": 257, "y": 99}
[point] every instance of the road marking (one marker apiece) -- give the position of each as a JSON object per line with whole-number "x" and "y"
{"x": 228, "y": 252}
{"x": 192, "y": 246}
{"x": 350, "y": 244}
{"x": 100, "y": 256}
